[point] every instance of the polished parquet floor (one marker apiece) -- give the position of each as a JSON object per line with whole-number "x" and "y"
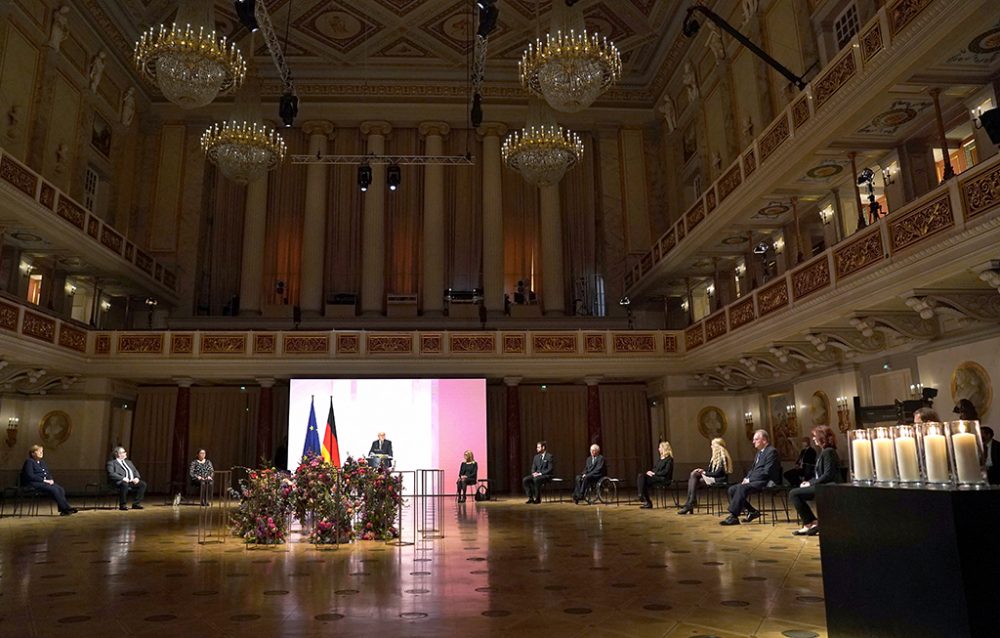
{"x": 501, "y": 569}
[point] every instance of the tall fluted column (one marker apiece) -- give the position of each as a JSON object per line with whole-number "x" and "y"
{"x": 594, "y": 426}
{"x": 948, "y": 172}
{"x": 553, "y": 295}
{"x": 265, "y": 422}
{"x": 433, "y": 232}
{"x": 513, "y": 434}
{"x": 373, "y": 225}
{"x": 182, "y": 425}
{"x": 492, "y": 217}
{"x": 314, "y": 237}
{"x": 251, "y": 269}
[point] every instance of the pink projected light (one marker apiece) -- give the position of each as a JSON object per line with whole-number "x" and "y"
{"x": 431, "y": 422}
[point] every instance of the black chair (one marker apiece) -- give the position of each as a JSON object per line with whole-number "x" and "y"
{"x": 100, "y": 495}
{"x": 27, "y": 497}
{"x": 716, "y": 497}
{"x": 551, "y": 491}
{"x": 768, "y": 500}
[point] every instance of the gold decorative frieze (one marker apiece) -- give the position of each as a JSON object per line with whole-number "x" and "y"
{"x": 305, "y": 344}
{"x": 681, "y": 230}
{"x": 668, "y": 242}
{"x": 920, "y": 223}
{"x": 741, "y": 313}
{"x": 264, "y": 344}
{"x": 633, "y": 343}
{"x": 472, "y": 343}
{"x": 112, "y": 239}
{"x": 348, "y": 344}
{"x": 594, "y": 344}
{"x": 72, "y": 338}
{"x": 514, "y": 343}
{"x": 8, "y": 316}
{"x": 772, "y": 297}
{"x": 800, "y": 112}
{"x": 389, "y": 344}
{"x": 871, "y": 42}
{"x": 182, "y": 343}
{"x": 981, "y": 193}
{"x": 715, "y": 326}
{"x": 811, "y": 277}
{"x": 710, "y": 200}
{"x": 858, "y": 254}
{"x": 749, "y": 163}
{"x": 773, "y": 138}
{"x": 38, "y": 326}
{"x": 836, "y": 77}
{"x": 694, "y": 337}
{"x": 93, "y": 226}
{"x": 902, "y": 12}
{"x": 102, "y": 344}
{"x": 140, "y": 344}
{"x": 68, "y": 210}
{"x": 553, "y": 344}
{"x": 729, "y": 182}
{"x": 695, "y": 214}
{"x": 670, "y": 343}
{"x": 223, "y": 344}
{"x": 656, "y": 252}
{"x": 18, "y": 176}
{"x": 47, "y": 196}
{"x": 431, "y": 344}
{"x": 143, "y": 261}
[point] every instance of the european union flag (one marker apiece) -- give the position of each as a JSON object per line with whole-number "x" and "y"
{"x": 312, "y": 434}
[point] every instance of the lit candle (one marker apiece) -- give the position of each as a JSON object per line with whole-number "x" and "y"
{"x": 906, "y": 453}
{"x": 885, "y": 468}
{"x": 936, "y": 458}
{"x": 966, "y": 457}
{"x": 862, "y": 451}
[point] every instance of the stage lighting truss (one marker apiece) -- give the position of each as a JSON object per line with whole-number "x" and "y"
{"x": 453, "y": 160}
{"x": 273, "y": 46}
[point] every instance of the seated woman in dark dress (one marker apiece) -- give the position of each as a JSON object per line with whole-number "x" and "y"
{"x": 661, "y": 474}
{"x": 466, "y": 475}
{"x": 827, "y": 471}
{"x": 719, "y": 468}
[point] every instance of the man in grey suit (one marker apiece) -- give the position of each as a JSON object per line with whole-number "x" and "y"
{"x": 593, "y": 471}
{"x": 541, "y": 472}
{"x": 766, "y": 470}
{"x": 124, "y": 477}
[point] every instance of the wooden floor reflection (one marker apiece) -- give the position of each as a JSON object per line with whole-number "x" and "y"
{"x": 501, "y": 569}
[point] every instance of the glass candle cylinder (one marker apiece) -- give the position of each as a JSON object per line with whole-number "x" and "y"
{"x": 967, "y": 452}
{"x": 907, "y": 454}
{"x": 936, "y": 453}
{"x": 885, "y": 455}
{"x": 862, "y": 461}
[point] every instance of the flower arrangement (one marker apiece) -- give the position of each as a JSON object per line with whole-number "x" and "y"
{"x": 380, "y": 495}
{"x": 262, "y": 515}
{"x": 319, "y": 496}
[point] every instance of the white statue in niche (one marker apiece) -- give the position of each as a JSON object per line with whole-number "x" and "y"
{"x": 690, "y": 81}
{"x": 60, "y": 27}
{"x": 669, "y": 114}
{"x": 96, "y": 71}
{"x": 128, "y": 106}
{"x": 749, "y": 9}
{"x": 715, "y": 42}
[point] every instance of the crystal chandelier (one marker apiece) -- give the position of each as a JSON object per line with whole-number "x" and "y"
{"x": 190, "y": 64}
{"x": 243, "y": 151}
{"x": 570, "y": 69}
{"x": 542, "y": 153}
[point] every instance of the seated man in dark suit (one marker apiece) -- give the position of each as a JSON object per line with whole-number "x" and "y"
{"x": 541, "y": 472}
{"x": 35, "y": 474}
{"x": 593, "y": 471}
{"x": 381, "y": 451}
{"x": 124, "y": 477}
{"x": 766, "y": 470}
{"x": 991, "y": 448}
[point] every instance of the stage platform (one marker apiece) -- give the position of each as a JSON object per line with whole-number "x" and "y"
{"x": 501, "y": 569}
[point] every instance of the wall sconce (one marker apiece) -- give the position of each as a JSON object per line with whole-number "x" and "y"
{"x": 888, "y": 175}
{"x": 793, "y": 425}
{"x": 685, "y": 305}
{"x": 12, "y": 424}
{"x": 741, "y": 269}
{"x": 26, "y": 268}
{"x": 710, "y": 289}
{"x": 916, "y": 390}
{"x": 70, "y": 289}
{"x": 843, "y": 414}
{"x": 748, "y": 421}
{"x": 105, "y": 305}
{"x": 779, "y": 245}
{"x": 151, "y": 303}
{"x": 826, "y": 215}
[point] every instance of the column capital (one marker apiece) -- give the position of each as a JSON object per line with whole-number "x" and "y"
{"x": 184, "y": 382}
{"x": 265, "y": 383}
{"x": 318, "y": 127}
{"x": 592, "y": 380}
{"x": 376, "y": 127}
{"x": 512, "y": 382}
{"x": 492, "y": 129}
{"x": 434, "y": 128}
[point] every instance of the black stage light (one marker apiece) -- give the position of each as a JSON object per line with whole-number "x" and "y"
{"x": 760, "y": 248}
{"x": 246, "y": 10}
{"x": 990, "y": 121}
{"x": 625, "y": 301}
{"x": 488, "y": 14}
{"x": 288, "y": 108}
{"x": 477, "y": 110}
{"x": 393, "y": 176}
{"x": 364, "y": 177}
{"x": 866, "y": 176}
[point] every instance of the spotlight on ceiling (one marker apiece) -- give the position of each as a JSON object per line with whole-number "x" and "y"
{"x": 364, "y": 177}
{"x": 625, "y": 301}
{"x": 760, "y": 248}
{"x": 488, "y": 13}
{"x": 288, "y": 108}
{"x": 393, "y": 176}
{"x": 246, "y": 10}
{"x": 866, "y": 177}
